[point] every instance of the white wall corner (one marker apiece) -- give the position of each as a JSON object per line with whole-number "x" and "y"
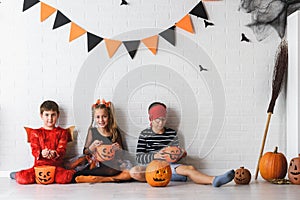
{"x": 293, "y": 75}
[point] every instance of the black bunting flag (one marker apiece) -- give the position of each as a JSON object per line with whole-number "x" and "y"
{"x": 93, "y": 41}
{"x": 199, "y": 11}
{"x": 112, "y": 45}
{"x": 132, "y": 47}
{"x": 60, "y": 20}
{"x": 29, "y": 3}
{"x": 169, "y": 35}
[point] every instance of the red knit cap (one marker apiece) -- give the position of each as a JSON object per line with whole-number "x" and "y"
{"x": 157, "y": 111}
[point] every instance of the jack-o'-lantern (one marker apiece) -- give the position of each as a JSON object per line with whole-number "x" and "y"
{"x": 44, "y": 174}
{"x": 242, "y": 176}
{"x": 105, "y": 152}
{"x": 158, "y": 173}
{"x": 273, "y": 165}
{"x": 174, "y": 153}
{"x": 294, "y": 170}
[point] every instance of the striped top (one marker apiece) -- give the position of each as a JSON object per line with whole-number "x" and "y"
{"x": 150, "y": 143}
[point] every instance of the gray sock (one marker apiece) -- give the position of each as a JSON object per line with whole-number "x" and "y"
{"x": 224, "y": 178}
{"x": 12, "y": 175}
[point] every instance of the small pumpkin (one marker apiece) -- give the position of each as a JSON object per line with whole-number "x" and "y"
{"x": 173, "y": 153}
{"x": 44, "y": 174}
{"x": 294, "y": 170}
{"x": 273, "y": 165}
{"x": 105, "y": 152}
{"x": 242, "y": 176}
{"x": 158, "y": 173}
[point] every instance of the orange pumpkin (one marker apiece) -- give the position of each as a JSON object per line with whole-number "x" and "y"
{"x": 173, "y": 153}
{"x": 105, "y": 152}
{"x": 294, "y": 170}
{"x": 242, "y": 176}
{"x": 273, "y": 165}
{"x": 44, "y": 174}
{"x": 158, "y": 173}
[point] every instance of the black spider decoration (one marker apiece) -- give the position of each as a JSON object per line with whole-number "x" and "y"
{"x": 124, "y": 2}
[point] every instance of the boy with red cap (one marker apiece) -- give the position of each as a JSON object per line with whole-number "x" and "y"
{"x": 152, "y": 142}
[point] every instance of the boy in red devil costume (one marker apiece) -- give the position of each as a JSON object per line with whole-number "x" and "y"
{"x": 48, "y": 146}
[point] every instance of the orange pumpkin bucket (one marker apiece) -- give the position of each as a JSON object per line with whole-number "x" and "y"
{"x": 105, "y": 152}
{"x": 173, "y": 153}
{"x": 44, "y": 174}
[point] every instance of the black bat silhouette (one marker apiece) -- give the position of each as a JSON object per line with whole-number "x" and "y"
{"x": 202, "y": 68}
{"x": 244, "y": 38}
{"x": 207, "y": 23}
{"x": 124, "y": 2}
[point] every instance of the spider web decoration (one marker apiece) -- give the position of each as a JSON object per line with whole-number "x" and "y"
{"x": 268, "y": 14}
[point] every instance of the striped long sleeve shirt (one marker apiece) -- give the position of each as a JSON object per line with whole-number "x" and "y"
{"x": 150, "y": 143}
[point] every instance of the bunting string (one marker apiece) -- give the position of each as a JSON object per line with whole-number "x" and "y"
{"x": 113, "y": 45}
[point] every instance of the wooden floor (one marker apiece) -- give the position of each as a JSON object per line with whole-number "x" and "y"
{"x": 260, "y": 189}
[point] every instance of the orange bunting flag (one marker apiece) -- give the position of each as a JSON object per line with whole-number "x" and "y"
{"x": 112, "y": 46}
{"x": 75, "y": 32}
{"x": 186, "y": 24}
{"x": 46, "y": 11}
{"x": 151, "y": 43}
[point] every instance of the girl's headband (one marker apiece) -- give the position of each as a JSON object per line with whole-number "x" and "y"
{"x": 103, "y": 102}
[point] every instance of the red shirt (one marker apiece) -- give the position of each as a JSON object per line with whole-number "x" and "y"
{"x": 55, "y": 139}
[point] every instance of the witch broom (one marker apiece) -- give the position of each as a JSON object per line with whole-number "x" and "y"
{"x": 278, "y": 76}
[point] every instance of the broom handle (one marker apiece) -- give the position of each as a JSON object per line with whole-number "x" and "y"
{"x": 263, "y": 143}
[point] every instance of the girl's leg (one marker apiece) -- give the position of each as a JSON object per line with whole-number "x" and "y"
{"x": 138, "y": 173}
{"x": 123, "y": 176}
{"x": 195, "y": 175}
{"x": 200, "y": 178}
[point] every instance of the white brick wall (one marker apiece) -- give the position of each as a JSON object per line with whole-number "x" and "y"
{"x": 38, "y": 63}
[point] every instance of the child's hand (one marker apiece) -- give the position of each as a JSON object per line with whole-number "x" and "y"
{"x": 116, "y": 146}
{"x": 45, "y": 153}
{"x": 52, "y": 154}
{"x": 183, "y": 153}
{"x": 93, "y": 146}
{"x": 49, "y": 154}
{"x": 160, "y": 155}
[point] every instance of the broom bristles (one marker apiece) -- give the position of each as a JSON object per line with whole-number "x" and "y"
{"x": 278, "y": 73}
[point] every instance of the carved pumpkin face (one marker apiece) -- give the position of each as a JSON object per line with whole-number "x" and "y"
{"x": 105, "y": 152}
{"x": 158, "y": 173}
{"x": 294, "y": 170}
{"x": 174, "y": 153}
{"x": 242, "y": 176}
{"x": 44, "y": 174}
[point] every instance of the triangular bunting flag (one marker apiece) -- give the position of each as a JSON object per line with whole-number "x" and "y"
{"x": 60, "y": 20}
{"x": 29, "y": 3}
{"x": 169, "y": 35}
{"x": 132, "y": 47}
{"x": 93, "y": 41}
{"x": 186, "y": 24}
{"x": 151, "y": 43}
{"x": 46, "y": 11}
{"x": 112, "y": 46}
{"x": 199, "y": 11}
{"x": 75, "y": 32}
